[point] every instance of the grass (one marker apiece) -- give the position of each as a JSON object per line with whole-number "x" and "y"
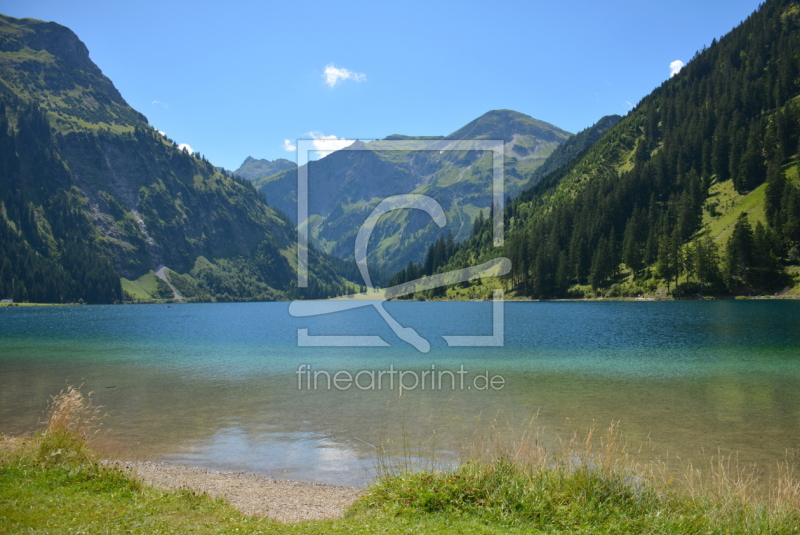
{"x": 135, "y": 290}
{"x": 92, "y": 498}
{"x": 145, "y": 288}
{"x": 53, "y": 483}
{"x": 794, "y": 272}
{"x": 592, "y": 485}
{"x": 792, "y": 170}
{"x": 729, "y": 205}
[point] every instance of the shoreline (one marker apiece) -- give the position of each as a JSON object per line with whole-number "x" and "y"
{"x": 507, "y": 299}
{"x": 26, "y": 304}
{"x": 253, "y": 495}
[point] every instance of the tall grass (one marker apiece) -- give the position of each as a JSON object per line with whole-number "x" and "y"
{"x": 591, "y": 482}
{"x": 71, "y": 422}
{"x": 62, "y": 455}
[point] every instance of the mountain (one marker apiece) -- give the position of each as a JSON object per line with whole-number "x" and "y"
{"x": 573, "y": 147}
{"x": 694, "y": 192}
{"x": 509, "y": 126}
{"x": 345, "y": 186}
{"x": 90, "y": 193}
{"x": 253, "y": 169}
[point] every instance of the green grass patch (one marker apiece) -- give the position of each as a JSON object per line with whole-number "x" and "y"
{"x": 592, "y": 485}
{"x": 148, "y": 287}
{"x": 725, "y": 205}
{"x": 794, "y": 273}
{"x": 791, "y": 170}
{"x": 134, "y": 290}
{"x": 144, "y": 288}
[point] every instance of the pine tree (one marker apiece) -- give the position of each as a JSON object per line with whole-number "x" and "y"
{"x": 776, "y": 184}
{"x": 738, "y": 254}
{"x": 632, "y": 242}
{"x": 706, "y": 262}
{"x": 666, "y": 265}
{"x": 764, "y": 257}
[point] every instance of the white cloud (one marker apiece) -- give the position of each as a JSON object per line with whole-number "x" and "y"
{"x": 186, "y": 147}
{"x": 288, "y": 146}
{"x": 159, "y": 103}
{"x": 333, "y": 75}
{"x": 629, "y": 105}
{"x": 325, "y": 145}
{"x": 162, "y": 133}
{"x": 675, "y": 67}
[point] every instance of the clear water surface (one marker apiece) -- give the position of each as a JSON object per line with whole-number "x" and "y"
{"x": 216, "y": 385}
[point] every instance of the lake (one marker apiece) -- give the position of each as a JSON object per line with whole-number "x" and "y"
{"x": 225, "y": 386}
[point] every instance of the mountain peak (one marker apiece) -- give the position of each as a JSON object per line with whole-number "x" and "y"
{"x": 46, "y": 61}
{"x": 253, "y": 169}
{"x": 401, "y": 137}
{"x": 53, "y": 38}
{"x": 505, "y": 114}
{"x": 505, "y": 124}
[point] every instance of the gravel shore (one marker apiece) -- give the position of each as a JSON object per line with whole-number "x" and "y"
{"x": 286, "y": 501}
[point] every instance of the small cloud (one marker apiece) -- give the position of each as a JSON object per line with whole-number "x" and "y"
{"x": 325, "y": 145}
{"x": 185, "y": 148}
{"x": 629, "y": 105}
{"x": 159, "y": 103}
{"x": 675, "y": 67}
{"x": 288, "y": 146}
{"x": 333, "y": 75}
{"x": 162, "y": 133}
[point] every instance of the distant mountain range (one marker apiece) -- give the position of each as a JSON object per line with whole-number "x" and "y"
{"x": 345, "y": 186}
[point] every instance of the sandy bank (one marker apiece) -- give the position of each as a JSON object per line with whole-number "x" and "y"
{"x": 286, "y": 501}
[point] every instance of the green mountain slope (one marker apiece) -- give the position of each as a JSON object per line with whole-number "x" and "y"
{"x": 345, "y": 186}
{"x": 572, "y": 148}
{"x": 654, "y": 205}
{"x": 89, "y": 192}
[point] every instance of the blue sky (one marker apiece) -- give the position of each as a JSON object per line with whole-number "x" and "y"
{"x": 239, "y": 78}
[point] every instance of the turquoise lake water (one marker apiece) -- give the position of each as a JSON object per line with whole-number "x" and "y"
{"x": 216, "y": 385}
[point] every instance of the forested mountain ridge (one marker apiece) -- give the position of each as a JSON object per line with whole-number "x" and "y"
{"x": 346, "y": 185}
{"x": 90, "y": 192}
{"x": 693, "y": 192}
{"x": 572, "y": 148}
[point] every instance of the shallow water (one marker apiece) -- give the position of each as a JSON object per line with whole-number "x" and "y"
{"x": 216, "y": 385}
